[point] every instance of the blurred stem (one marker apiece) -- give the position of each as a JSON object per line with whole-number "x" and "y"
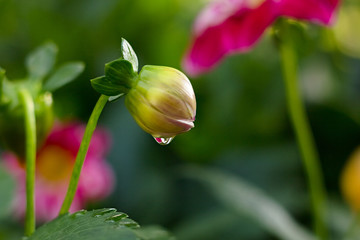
{"x": 80, "y": 158}
{"x": 30, "y": 154}
{"x": 302, "y": 130}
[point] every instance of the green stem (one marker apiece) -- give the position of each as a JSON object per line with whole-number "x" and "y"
{"x": 80, "y": 158}
{"x": 30, "y": 146}
{"x": 303, "y": 133}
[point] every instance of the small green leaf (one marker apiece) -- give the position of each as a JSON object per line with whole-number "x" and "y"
{"x": 104, "y": 86}
{"x": 128, "y": 54}
{"x": 7, "y": 192}
{"x": 120, "y": 72}
{"x": 63, "y": 75}
{"x": 40, "y": 62}
{"x": 245, "y": 199}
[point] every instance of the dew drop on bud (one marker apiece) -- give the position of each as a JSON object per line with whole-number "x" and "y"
{"x": 163, "y": 141}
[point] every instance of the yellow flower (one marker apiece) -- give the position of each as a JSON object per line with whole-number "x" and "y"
{"x": 350, "y": 180}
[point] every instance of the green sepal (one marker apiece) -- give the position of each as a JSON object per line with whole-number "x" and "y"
{"x": 40, "y": 62}
{"x": 63, "y": 75}
{"x": 120, "y": 72}
{"x": 104, "y": 86}
{"x": 127, "y": 53}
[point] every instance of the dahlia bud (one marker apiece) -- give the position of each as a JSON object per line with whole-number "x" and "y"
{"x": 161, "y": 99}
{"x": 162, "y": 102}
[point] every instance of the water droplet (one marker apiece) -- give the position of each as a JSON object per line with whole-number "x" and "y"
{"x": 78, "y": 214}
{"x": 102, "y": 212}
{"x": 118, "y": 217}
{"x": 163, "y": 141}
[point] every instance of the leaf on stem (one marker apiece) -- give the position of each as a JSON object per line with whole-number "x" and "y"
{"x": 245, "y": 199}
{"x": 63, "y": 75}
{"x": 40, "y": 62}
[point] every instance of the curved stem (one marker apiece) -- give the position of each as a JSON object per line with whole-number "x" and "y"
{"x": 80, "y": 158}
{"x": 303, "y": 133}
{"x": 30, "y": 154}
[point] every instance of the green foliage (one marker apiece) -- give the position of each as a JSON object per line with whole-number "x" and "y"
{"x": 120, "y": 72}
{"x": 248, "y": 200}
{"x": 63, "y": 75}
{"x": 100, "y": 224}
{"x": 104, "y": 86}
{"x": 40, "y": 62}
{"x": 118, "y": 79}
{"x": 7, "y": 192}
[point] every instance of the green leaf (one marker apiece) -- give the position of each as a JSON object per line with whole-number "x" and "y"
{"x": 104, "y": 86}
{"x": 7, "y": 192}
{"x": 40, "y": 62}
{"x": 245, "y": 199}
{"x": 120, "y": 72}
{"x": 63, "y": 75}
{"x": 100, "y": 224}
{"x": 128, "y": 54}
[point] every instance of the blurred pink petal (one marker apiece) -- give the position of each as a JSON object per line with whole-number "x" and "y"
{"x": 54, "y": 165}
{"x": 234, "y": 26}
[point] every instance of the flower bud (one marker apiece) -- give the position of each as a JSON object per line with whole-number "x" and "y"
{"x": 350, "y": 181}
{"x": 162, "y": 102}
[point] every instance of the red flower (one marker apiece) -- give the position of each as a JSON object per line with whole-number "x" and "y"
{"x": 233, "y": 26}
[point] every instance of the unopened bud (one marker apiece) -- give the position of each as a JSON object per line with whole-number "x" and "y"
{"x": 162, "y": 102}
{"x": 161, "y": 99}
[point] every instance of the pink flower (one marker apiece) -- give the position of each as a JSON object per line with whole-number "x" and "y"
{"x": 233, "y": 26}
{"x": 54, "y": 165}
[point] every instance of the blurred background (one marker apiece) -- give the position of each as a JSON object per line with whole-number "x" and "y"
{"x": 242, "y": 129}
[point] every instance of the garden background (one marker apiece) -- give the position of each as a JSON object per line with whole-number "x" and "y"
{"x": 242, "y": 129}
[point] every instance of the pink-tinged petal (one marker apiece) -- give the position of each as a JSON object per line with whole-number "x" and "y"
{"x": 237, "y": 33}
{"x": 317, "y": 11}
{"x": 96, "y": 180}
{"x": 69, "y": 137}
